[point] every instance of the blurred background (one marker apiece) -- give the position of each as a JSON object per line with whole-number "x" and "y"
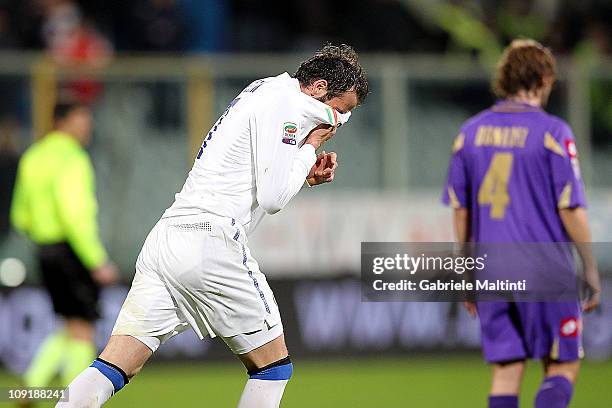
{"x": 159, "y": 72}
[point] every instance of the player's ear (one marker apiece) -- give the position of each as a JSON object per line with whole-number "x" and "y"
{"x": 318, "y": 88}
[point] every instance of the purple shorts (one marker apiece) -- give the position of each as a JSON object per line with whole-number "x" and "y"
{"x": 517, "y": 331}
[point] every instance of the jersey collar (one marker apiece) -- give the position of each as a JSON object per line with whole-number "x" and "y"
{"x": 334, "y": 117}
{"x": 513, "y": 106}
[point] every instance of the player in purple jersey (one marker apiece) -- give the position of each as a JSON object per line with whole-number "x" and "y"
{"x": 514, "y": 177}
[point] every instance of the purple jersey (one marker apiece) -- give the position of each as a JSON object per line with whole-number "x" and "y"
{"x": 514, "y": 166}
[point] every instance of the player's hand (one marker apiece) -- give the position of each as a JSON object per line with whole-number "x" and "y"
{"x": 592, "y": 302}
{"x": 324, "y": 169}
{"x": 593, "y": 288}
{"x": 105, "y": 275}
{"x": 471, "y": 308}
{"x": 321, "y": 134}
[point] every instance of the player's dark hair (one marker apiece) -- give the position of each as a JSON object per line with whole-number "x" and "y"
{"x": 339, "y": 66}
{"x": 63, "y": 108}
{"x": 523, "y": 67}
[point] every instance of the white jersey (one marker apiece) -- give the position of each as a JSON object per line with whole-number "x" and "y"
{"x": 195, "y": 268}
{"x": 254, "y": 160}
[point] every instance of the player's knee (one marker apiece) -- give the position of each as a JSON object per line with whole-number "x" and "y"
{"x": 132, "y": 373}
{"x": 568, "y": 370}
{"x": 507, "y": 378}
{"x": 277, "y": 371}
{"x": 80, "y": 329}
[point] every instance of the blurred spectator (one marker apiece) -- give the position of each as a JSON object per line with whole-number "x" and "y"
{"x": 73, "y": 42}
{"x": 477, "y": 26}
{"x": 62, "y": 20}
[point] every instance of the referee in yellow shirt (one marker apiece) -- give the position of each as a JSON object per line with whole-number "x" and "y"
{"x": 54, "y": 204}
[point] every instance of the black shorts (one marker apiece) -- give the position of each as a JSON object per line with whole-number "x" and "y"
{"x": 73, "y": 291}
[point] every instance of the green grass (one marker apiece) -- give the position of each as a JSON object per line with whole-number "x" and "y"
{"x": 455, "y": 381}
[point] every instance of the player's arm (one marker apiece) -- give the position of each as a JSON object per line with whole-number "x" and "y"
{"x": 280, "y": 165}
{"x": 75, "y": 200}
{"x": 20, "y": 214}
{"x": 456, "y": 195}
{"x": 576, "y": 225}
{"x": 571, "y": 203}
{"x": 461, "y": 221}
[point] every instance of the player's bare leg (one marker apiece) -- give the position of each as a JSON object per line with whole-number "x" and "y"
{"x": 269, "y": 371}
{"x": 122, "y": 358}
{"x": 506, "y": 384}
{"x": 558, "y": 385}
{"x": 265, "y": 355}
{"x": 127, "y": 353}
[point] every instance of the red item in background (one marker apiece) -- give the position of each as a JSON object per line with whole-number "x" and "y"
{"x": 83, "y": 48}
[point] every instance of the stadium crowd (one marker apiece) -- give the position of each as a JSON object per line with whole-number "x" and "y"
{"x": 245, "y": 25}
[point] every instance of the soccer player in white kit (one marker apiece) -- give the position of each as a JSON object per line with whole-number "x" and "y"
{"x": 195, "y": 268}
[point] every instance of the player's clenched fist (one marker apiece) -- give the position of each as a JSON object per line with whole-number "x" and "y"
{"x": 320, "y": 135}
{"x": 324, "y": 169}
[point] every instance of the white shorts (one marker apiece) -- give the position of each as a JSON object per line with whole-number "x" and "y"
{"x": 197, "y": 271}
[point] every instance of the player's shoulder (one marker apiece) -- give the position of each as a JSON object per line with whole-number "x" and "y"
{"x": 476, "y": 119}
{"x": 557, "y": 127}
{"x": 558, "y": 137}
{"x": 279, "y": 91}
{"x": 468, "y": 128}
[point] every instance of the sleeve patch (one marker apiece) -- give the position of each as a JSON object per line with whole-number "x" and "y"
{"x": 572, "y": 152}
{"x": 570, "y": 146}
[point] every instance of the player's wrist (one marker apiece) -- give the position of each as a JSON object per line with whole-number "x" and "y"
{"x": 315, "y": 145}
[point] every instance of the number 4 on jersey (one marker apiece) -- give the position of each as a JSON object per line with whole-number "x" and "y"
{"x": 494, "y": 188}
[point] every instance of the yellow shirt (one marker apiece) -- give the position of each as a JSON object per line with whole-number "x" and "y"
{"x": 54, "y": 198}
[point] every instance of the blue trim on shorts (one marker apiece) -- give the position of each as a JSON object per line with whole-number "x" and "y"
{"x": 244, "y": 262}
{"x": 255, "y": 283}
